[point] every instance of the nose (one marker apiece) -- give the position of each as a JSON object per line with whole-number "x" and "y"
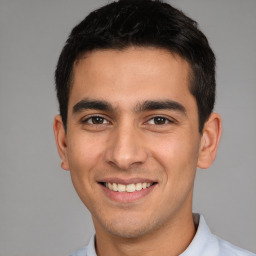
{"x": 126, "y": 147}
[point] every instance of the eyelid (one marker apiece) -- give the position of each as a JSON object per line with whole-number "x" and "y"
{"x": 170, "y": 120}
{"x": 85, "y": 119}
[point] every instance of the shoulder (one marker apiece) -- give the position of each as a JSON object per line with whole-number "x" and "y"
{"x": 88, "y": 250}
{"x": 207, "y": 244}
{"x": 228, "y": 249}
{"x": 81, "y": 252}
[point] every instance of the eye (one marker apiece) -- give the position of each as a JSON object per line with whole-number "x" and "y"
{"x": 96, "y": 120}
{"x": 159, "y": 120}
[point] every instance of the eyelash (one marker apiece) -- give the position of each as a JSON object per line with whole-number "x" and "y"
{"x": 165, "y": 119}
{"x": 86, "y": 120}
{"x": 105, "y": 121}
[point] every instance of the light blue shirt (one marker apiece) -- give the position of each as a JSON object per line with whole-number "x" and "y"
{"x": 204, "y": 243}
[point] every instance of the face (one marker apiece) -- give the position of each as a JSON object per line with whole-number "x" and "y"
{"x": 132, "y": 141}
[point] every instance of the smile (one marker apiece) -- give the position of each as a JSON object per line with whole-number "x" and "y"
{"x": 130, "y": 188}
{"x": 127, "y": 190}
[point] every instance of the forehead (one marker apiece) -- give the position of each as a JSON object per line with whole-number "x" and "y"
{"x": 130, "y": 75}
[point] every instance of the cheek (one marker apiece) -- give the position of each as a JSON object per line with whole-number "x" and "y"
{"x": 177, "y": 153}
{"x": 83, "y": 152}
{"x": 84, "y": 156}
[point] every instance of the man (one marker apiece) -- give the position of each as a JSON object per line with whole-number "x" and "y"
{"x": 136, "y": 88}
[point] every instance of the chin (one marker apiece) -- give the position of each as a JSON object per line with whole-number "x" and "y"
{"x": 129, "y": 232}
{"x": 129, "y": 228}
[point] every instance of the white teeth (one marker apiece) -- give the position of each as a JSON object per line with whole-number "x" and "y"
{"x": 138, "y": 186}
{"x": 109, "y": 185}
{"x": 121, "y": 187}
{"x": 130, "y": 188}
{"x": 115, "y": 188}
{"x": 127, "y": 188}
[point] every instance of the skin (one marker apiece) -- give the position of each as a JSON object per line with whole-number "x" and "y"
{"x": 127, "y": 141}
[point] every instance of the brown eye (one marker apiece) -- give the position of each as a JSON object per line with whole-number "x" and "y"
{"x": 159, "y": 120}
{"x": 96, "y": 120}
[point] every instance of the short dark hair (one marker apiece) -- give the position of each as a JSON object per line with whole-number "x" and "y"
{"x": 126, "y": 23}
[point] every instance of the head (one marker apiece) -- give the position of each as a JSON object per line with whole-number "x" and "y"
{"x": 143, "y": 23}
{"x": 135, "y": 83}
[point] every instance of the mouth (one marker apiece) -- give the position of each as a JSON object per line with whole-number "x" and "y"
{"x": 130, "y": 188}
{"x": 125, "y": 192}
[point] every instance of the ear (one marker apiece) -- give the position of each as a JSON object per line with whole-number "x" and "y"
{"x": 60, "y": 139}
{"x": 209, "y": 141}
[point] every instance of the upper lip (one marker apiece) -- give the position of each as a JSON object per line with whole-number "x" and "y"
{"x": 126, "y": 181}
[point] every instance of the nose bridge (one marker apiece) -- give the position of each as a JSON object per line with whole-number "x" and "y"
{"x": 125, "y": 147}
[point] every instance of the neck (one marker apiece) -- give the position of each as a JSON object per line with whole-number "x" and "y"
{"x": 171, "y": 239}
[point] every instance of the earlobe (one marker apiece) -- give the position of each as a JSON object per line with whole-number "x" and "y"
{"x": 209, "y": 141}
{"x": 60, "y": 139}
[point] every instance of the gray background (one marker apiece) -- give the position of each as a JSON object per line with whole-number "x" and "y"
{"x": 40, "y": 213}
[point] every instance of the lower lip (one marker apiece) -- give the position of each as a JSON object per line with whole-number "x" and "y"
{"x": 126, "y": 197}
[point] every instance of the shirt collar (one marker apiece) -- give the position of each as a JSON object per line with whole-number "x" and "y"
{"x": 201, "y": 238}
{"x": 91, "y": 247}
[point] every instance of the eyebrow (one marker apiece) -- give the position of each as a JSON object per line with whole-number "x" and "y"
{"x": 148, "y": 105}
{"x": 91, "y": 104}
{"x": 160, "y": 105}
